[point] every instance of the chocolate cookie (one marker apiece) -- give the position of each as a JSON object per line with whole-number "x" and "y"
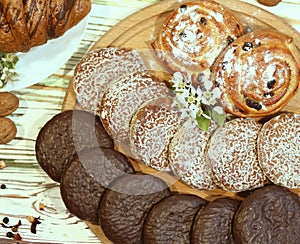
{"x": 65, "y": 134}
{"x": 126, "y": 203}
{"x": 213, "y": 223}
{"x": 269, "y": 215}
{"x": 170, "y": 220}
{"x": 85, "y": 178}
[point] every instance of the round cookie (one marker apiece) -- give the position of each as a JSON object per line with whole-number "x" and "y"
{"x": 279, "y": 149}
{"x": 86, "y": 177}
{"x": 233, "y": 156}
{"x": 64, "y": 135}
{"x": 270, "y": 214}
{"x": 9, "y": 102}
{"x": 170, "y": 220}
{"x": 187, "y": 156}
{"x": 99, "y": 68}
{"x": 126, "y": 203}
{"x": 213, "y": 223}
{"x": 8, "y": 130}
{"x": 121, "y": 100}
{"x": 151, "y": 130}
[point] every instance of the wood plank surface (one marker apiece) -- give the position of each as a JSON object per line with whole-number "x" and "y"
{"x": 27, "y": 186}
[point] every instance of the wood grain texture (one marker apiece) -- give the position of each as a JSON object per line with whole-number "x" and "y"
{"x": 139, "y": 30}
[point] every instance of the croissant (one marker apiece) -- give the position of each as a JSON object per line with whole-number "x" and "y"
{"x": 28, "y": 23}
{"x": 258, "y": 73}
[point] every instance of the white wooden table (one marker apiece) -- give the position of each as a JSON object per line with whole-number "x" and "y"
{"x": 26, "y": 183}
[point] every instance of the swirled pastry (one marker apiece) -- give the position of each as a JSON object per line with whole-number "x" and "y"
{"x": 279, "y": 149}
{"x": 258, "y": 73}
{"x": 194, "y": 34}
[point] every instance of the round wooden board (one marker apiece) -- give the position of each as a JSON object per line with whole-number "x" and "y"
{"x": 139, "y": 30}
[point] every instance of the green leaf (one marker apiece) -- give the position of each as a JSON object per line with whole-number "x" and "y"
{"x": 218, "y": 118}
{"x": 203, "y": 123}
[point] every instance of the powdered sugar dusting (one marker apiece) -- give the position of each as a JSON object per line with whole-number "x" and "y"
{"x": 233, "y": 156}
{"x": 256, "y": 79}
{"x": 187, "y": 154}
{"x": 195, "y": 34}
{"x": 152, "y": 128}
{"x": 121, "y": 100}
{"x": 99, "y": 68}
{"x": 279, "y": 150}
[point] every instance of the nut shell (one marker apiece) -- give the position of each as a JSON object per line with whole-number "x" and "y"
{"x": 8, "y": 130}
{"x": 8, "y": 103}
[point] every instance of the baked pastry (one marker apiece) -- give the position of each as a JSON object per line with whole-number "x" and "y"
{"x": 126, "y": 203}
{"x": 25, "y": 24}
{"x": 85, "y": 178}
{"x": 187, "y": 156}
{"x": 151, "y": 129}
{"x": 194, "y": 34}
{"x": 213, "y": 223}
{"x": 258, "y": 73}
{"x": 64, "y": 135}
{"x": 270, "y": 214}
{"x": 98, "y": 69}
{"x": 279, "y": 149}
{"x": 121, "y": 100}
{"x": 171, "y": 220}
{"x": 233, "y": 156}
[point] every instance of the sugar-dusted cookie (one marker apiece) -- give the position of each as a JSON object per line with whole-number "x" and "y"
{"x": 187, "y": 156}
{"x": 151, "y": 130}
{"x": 233, "y": 155}
{"x": 99, "y": 68}
{"x": 121, "y": 100}
{"x": 279, "y": 149}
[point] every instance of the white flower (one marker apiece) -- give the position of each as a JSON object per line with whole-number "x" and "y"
{"x": 197, "y": 102}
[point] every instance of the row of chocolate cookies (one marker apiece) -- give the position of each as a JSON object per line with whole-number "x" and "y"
{"x": 138, "y": 208}
{"x": 99, "y": 184}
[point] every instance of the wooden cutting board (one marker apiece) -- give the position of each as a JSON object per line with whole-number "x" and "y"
{"x": 139, "y": 30}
